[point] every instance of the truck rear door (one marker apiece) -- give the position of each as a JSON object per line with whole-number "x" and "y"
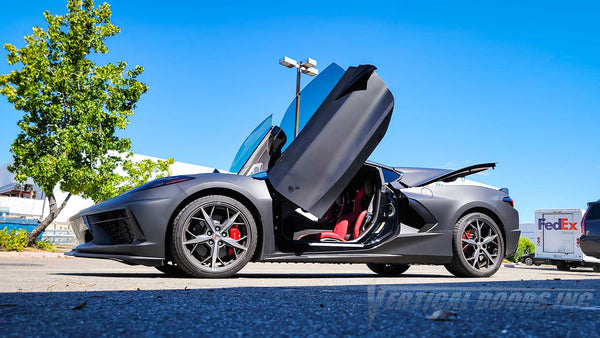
{"x": 558, "y": 236}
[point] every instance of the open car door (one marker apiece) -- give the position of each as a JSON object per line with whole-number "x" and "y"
{"x": 242, "y": 163}
{"x": 336, "y": 141}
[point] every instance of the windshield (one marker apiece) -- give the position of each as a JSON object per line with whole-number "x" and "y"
{"x": 251, "y": 142}
{"x": 311, "y": 98}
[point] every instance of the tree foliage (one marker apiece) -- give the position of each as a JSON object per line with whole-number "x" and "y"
{"x": 74, "y": 108}
{"x": 525, "y": 247}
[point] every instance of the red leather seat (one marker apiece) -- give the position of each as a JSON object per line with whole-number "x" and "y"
{"x": 353, "y": 219}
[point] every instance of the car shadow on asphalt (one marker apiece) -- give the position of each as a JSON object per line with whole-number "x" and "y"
{"x": 250, "y": 275}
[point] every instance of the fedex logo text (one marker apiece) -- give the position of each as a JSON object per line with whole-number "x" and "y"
{"x": 562, "y": 224}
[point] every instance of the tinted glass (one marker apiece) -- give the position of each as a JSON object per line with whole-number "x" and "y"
{"x": 593, "y": 212}
{"x": 311, "y": 98}
{"x": 251, "y": 142}
{"x": 389, "y": 176}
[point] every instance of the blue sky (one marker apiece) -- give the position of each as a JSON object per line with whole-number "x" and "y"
{"x": 512, "y": 82}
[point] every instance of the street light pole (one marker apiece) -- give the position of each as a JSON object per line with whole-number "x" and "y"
{"x": 306, "y": 67}
{"x": 297, "y": 102}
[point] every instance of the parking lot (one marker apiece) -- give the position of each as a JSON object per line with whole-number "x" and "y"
{"x": 38, "y": 296}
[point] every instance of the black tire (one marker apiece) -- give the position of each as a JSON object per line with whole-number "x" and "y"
{"x": 528, "y": 261}
{"x": 171, "y": 270}
{"x": 203, "y": 249}
{"x": 484, "y": 264}
{"x": 388, "y": 270}
{"x": 597, "y": 267}
{"x": 562, "y": 266}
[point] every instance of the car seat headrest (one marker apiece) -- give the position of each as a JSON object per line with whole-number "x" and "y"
{"x": 369, "y": 186}
{"x": 276, "y": 140}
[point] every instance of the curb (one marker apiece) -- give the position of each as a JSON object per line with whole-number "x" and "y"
{"x": 32, "y": 254}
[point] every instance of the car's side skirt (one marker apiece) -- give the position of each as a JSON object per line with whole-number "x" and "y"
{"x": 358, "y": 258}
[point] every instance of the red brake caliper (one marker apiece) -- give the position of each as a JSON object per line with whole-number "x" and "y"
{"x": 466, "y": 235}
{"x": 234, "y": 233}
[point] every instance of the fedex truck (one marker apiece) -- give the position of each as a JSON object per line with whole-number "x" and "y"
{"x": 557, "y": 233}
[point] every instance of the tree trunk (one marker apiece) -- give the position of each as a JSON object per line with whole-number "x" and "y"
{"x": 54, "y": 211}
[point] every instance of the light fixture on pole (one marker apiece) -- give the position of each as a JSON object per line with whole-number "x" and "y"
{"x": 307, "y": 67}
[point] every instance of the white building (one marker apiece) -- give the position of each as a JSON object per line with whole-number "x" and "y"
{"x": 33, "y": 204}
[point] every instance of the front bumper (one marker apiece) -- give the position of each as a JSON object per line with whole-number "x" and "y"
{"x": 130, "y": 228}
{"x": 590, "y": 245}
{"x": 127, "y": 259}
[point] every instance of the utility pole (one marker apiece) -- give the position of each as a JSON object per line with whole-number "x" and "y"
{"x": 306, "y": 67}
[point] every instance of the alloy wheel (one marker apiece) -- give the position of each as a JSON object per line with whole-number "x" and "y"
{"x": 215, "y": 236}
{"x": 480, "y": 245}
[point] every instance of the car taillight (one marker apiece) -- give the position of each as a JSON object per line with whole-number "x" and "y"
{"x": 583, "y": 223}
{"x": 509, "y": 201}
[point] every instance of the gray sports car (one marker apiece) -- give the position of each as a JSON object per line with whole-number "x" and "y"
{"x": 314, "y": 199}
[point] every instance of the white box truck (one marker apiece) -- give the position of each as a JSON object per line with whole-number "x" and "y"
{"x": 557, "y": 233}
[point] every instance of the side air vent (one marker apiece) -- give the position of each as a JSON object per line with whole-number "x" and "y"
{"x": 117, "y": 225}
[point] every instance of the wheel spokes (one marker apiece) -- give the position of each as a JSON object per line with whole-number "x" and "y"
{"x": 488, "y": 239}
{"x": 198, "y": 240}
{"x": 214, "y": 254}
{"x": 488, "y": 256}
{"x": 229, "y": 222}
{"x": 469, "y": 241}
{"x": 234, "y": 243}
{"x": 220, "y": 237}
{"x": 475, "y": 258}
{"x": 482, "y": 239}
{"x": 208, "y": 219}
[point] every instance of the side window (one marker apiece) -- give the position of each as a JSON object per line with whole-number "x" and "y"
{"x": 389, "y": 176}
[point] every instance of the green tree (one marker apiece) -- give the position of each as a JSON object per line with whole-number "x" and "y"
{"x": 525, "y": 247}
{"x": 74, "y": 109}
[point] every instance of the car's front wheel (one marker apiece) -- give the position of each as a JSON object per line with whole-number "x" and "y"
{"x": 478, "y": 247}
{"x": 528, "y": 261}
{"x": 388, "y": 270}
{"x": 213, "y": 236}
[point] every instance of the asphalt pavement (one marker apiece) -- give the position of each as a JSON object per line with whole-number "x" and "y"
{"x": 73, "y": 297}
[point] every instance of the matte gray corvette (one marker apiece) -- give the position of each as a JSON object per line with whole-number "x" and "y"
{"x": 316, "y": 200}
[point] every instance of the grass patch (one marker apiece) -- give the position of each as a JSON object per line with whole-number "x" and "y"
{"x": 44, "y": 245}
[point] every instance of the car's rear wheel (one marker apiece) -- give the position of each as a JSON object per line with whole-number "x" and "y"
{"x": 528, "y": 261}
{"x": 388, "y": 270}
{"x": 213, "y": 236}
{"x": 478, "y": 247}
